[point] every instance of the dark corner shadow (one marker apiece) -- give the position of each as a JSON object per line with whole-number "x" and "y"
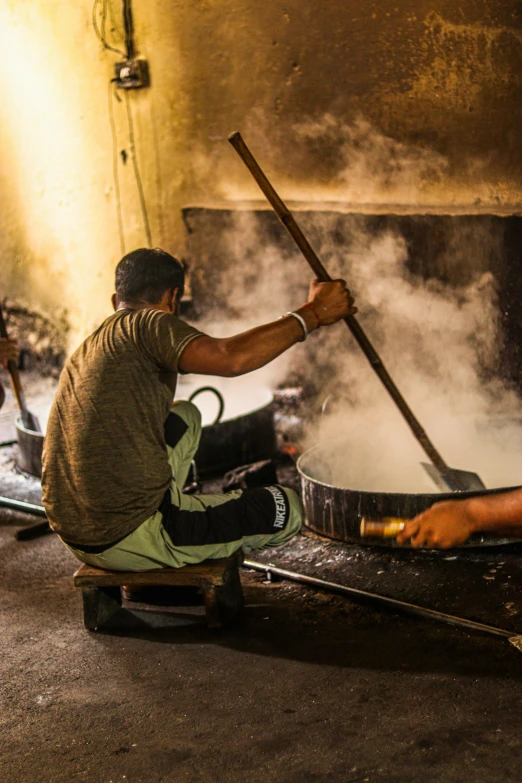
{"x": 379, "y": 642}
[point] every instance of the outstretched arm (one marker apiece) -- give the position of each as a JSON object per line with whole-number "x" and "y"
{"x": 250, "y": 350}
{"x": 452, "y": 522}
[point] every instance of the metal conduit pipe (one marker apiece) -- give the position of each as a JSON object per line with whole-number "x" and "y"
{"x": 382, "y": 601}
{"x": 31, "y": 531}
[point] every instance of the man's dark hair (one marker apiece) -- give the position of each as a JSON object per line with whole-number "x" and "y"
{"x": 145, "y": 274}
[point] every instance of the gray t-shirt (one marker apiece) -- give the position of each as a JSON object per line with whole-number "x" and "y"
{"x": 105, "y": 468}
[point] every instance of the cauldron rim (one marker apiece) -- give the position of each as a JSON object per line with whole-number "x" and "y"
{"x": 190, "y": 383}
{"x": 242, "y": 415}
{"x": 19, "y": 426}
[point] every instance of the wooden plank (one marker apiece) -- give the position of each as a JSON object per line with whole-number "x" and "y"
{"x": 228, "y": 599}
{"x": 211, "y": 572}
{"x": 141, "y": 578}
{"x": 212, "y": 608}
{"x": 99, "y": 605}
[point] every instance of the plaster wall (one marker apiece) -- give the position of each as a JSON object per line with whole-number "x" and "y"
{"x": 412, "y": 103}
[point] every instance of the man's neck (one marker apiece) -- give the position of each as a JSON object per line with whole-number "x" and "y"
{"x": 135, "y": 306}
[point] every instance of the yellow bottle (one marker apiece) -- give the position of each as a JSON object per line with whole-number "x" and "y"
{"x": 387, "y": 527}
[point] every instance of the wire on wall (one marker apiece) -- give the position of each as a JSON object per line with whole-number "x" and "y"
{"x": 137, "y": 174}
{"x": 128, "y": 25}
{"x": 100, "y": 33}
{"x": 99, "y": 23}
{"x": 108, "y": 5}
{"x": 104, "y": 21}
{"x": 115, "y": 174}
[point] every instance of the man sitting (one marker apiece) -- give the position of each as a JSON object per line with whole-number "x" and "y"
{"x": 117, "y": 451}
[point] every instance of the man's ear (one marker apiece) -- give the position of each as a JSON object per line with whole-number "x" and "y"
{"x": 173, "y": 300}
{"x": 114, "y": 300}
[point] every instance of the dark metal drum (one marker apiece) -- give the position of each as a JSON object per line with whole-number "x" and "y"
{"x": 336, "y": 512}
{"x": 30, "y": 445}
{"x": 237, "y": 440}
{"x": 225, "y": 444}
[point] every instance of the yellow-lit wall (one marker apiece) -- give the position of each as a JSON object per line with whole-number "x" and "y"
{"x": 432, "y": 74}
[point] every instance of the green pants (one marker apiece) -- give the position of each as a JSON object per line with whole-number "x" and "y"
{"x": 192, "y": 528}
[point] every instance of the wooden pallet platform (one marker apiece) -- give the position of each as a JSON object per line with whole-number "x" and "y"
{"x": 218, "y": 580}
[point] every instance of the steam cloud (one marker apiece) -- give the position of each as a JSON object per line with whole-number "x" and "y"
{"x": 440, "y": 344}
{"x": 440, "y": 341}
{"x": 369, "y": 164}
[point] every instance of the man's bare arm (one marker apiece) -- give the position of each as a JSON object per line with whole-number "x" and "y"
{"x": 253, "y": 349}
{"x": 452, "y": 522}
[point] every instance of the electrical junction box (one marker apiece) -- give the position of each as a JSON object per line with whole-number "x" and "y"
{"x": 131, "y": 74}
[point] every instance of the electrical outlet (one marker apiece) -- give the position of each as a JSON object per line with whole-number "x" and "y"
{"x": 131, "y": 74}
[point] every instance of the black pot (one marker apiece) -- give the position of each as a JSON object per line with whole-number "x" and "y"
{"x": 239, "y": 441}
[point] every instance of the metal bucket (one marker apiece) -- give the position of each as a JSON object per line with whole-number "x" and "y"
{"x": 336, "y": 512}
{"x": 30, "y": 445}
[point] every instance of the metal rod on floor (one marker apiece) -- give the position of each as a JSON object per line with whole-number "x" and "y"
{"x": 31, "y": 531}
{"x": 373, "y": 599}
{"x": 21, "y": 505}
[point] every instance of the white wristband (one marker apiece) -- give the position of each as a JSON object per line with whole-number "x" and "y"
{"x": 302, "y": 322}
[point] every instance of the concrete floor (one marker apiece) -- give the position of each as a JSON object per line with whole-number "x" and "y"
{"x": 310, "y": 688}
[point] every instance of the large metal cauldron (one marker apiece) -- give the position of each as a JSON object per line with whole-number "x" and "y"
{"x": 237, "y": 439}
{"x": 336, "y": 512}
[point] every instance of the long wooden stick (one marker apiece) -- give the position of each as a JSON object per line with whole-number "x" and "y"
{"x": 29, "y": 420}
{"x": 288, "y": 220}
